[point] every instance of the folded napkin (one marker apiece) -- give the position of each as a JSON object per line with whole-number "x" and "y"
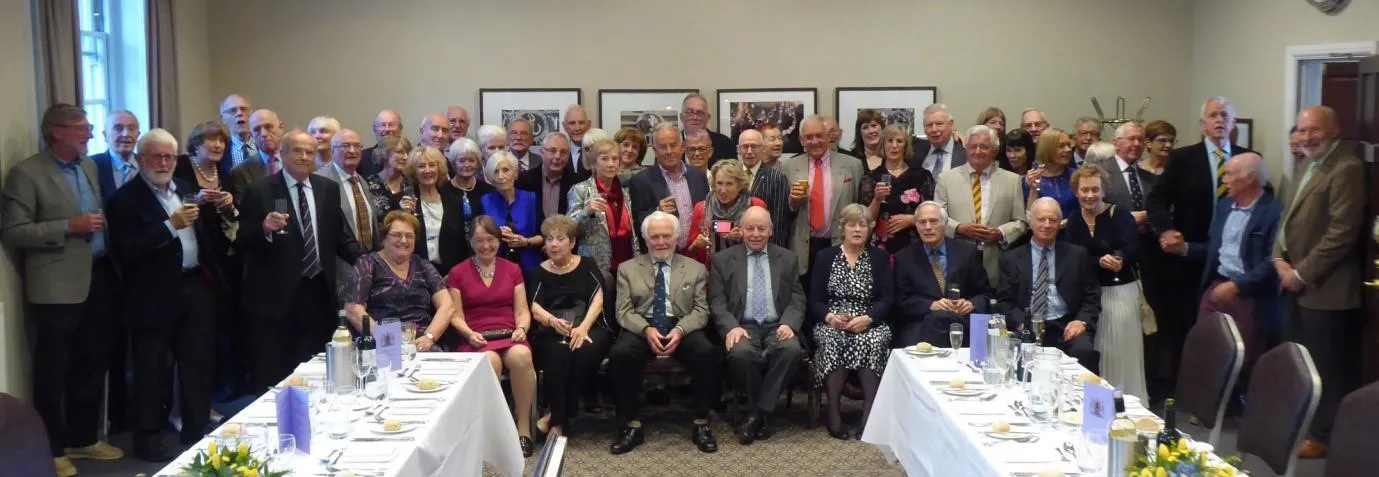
{"x": 367, "y": 453}
{"x": 938, "y": 366}
{"x": 1039, "y": 454}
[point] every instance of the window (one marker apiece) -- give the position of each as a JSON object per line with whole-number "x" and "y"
{"x": 114, "y": 59}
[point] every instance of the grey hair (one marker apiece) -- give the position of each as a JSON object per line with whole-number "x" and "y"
{"x": 323, "y": 121}
{"x": 689, "y": 97}
{"x": 1230, "y": 106}
{"x": 1099, "y": 152}
{"x": 983, "y": 129}
{"x": 519, "y": 120}
{"x": 1253, "y": 165}
{"x": 58, "y": 115}
{"x": 554, "y": 135}
{"x": 156, "y": 136}
{"x": 1086, "y": 120}
{"x": 1029, "y": 214}
{"x": 938, "y": 108}
{"x": 659, "y": 215}
{"x": 853, "y": 213}
{"x": 594, "y": 135}
{"x": 816, "y": 118}
{"x": 488, "y": 132}
{"x": 699, "y": 136}
{"x": 663, "y": 126}
{"x": 1124, "y": 129}
{"x": 942, "y": 211}
{"x": 497, "y": 159}
{"x": 463, "y": 147}
{"x": 1042, "y": 117}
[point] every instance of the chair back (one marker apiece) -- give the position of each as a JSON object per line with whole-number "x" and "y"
{"x": 1213, "y": 355}
{"x": 1281, "y": 406}
{"x": 1354, "y": 447}
{"x": 23, "y": 439}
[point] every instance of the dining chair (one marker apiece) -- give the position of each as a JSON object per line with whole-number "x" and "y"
{"x": 1354, "y": 447}
{"x": 1281, "y": 407}
{"x": 1213, "y": 355}
{"x": 23, "y": 440}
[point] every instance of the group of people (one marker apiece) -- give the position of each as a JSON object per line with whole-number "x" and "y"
{"x": 233, "y": 254}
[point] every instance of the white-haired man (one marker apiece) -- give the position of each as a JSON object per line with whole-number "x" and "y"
{"x": 694, "y": 115}
{"x": 941, "y": 151}
{"x": 985, "y": 204}
{"x": 1086, "y": 131}
{"x": 116, "y": 166}
{"x": 458, "y": 117}
{"x": 434, "y": 132}
{"x": 385, "y": 123}
{"x": 821, "y": 184}
{"x": 356, "y": 198}
{"x": 1033, "y": 122}
{"x": 520, "y": 139}
{"x": 234, "y": 112}
{"x": 576, "y": 123}
{"x": 768, "y": 184}
{"x": 160, "y": 244}
{"x": 938, "y": 281}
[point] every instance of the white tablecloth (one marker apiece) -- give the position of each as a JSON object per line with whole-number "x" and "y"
{"x": 466, "y": 425}
{"x": 932, "y": 435}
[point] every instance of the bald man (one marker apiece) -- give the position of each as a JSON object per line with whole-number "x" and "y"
{"x": 458, "y": 117}
{"x": 766, "y": 183}
{"x": 266, "y": 130}
{"x": 234, "y": 112}
{"x": 385, "y": 123}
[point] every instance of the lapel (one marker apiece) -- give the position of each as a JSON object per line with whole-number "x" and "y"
{"x": 1251, "y": 225}
{"x": 648, "y": 268}
{"x": 1119, "y": 192}
{"x": 677, "y": 273}
{"x": 60, "y": 181}
{"x": 318, "y": 191}
{"x": 839, "y": 175}
{"x": 1061, "y": 264}
{"x": 1312, "y": 182}
{"x": 775, "y": 257}
{"x": 964, "y": 188}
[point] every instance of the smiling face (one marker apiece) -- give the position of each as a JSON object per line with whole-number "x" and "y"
{"x": 695, "y": 114}
{"x": 871, "y": 134}
{"x": 815, "y": 138}
{"x": 428, "y": 172}
{"x": 435, "y": 132}
{"x": 1089, "y": 193}
{"x": 756, "y": 228}
{"x": 484, "y": 243}
{"x": 726, "y": 189}
{"x": 1087, "y": 134}
{"x": 980, "y": 151}
{"x": 398, "y": 159}
{"x": 458, "y": 118}
{"x": 385, "y": 124}
{"x": 466, "y": 165}
{"x": 322, "y": 134}
{"x": 401, "y": 240}
{"x": 156, "y": 163}
{"x": 1033, "y": 122}
{"x": 1217, "y": 121}
{"x": 1130, "y": 145}
{"x": 347, "y": 149}
{"x": 1316, "y": 129}
{"x": 1045, "y": 217}
{"x": 1017, "y": 156}
{"x": 212, "y": 148}
{"x": 1065, "y": 151}
{"x": 122, "y": 133}
{"x": 670, "y": 149}
{"x": 576, "y": 124}
{"x": 938, "y": 127}
{"x": 697, "y": 151}
{"x": 749, "y": 147}
{"x": 660, "y": 239}
{"x": 1162, "y": 145}
{"x": 775, "y": 144}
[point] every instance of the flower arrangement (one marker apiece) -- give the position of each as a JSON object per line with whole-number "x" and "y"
{"x": 1182, "y": 461}
{"x": 235, "y": 460}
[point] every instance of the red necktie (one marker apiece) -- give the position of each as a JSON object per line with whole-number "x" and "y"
{"x": 816, "y": 197}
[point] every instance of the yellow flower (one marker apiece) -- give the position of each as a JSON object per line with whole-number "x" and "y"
{"x": 1182, "y": 446}
{"x": 252, "y": 473}
{"x": 211, "y": 448}
{"x": 1160, "y": 472}
{"x": 244, "y": 448}
{"x": 1163, "y": 452}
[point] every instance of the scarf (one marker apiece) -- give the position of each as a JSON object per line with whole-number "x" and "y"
{"x": 619, "y": 223}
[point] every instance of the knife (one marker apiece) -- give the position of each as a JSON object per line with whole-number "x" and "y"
{"x": 382, "y": 439}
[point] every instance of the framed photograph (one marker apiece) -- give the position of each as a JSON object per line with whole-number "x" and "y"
{"x": 743, "y": 109}
{"x": 543, "y": 108}
{"x": 903, "y": 105}
{"x": 1243, "y": 134}
{"x": 640, "y": 108}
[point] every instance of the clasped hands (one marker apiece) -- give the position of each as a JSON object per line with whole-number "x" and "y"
{"x": 979, "y": 232}
{"x": 663, "y": 344}
{"x": 854, "y": 324}
{"x": 958, "y": 307}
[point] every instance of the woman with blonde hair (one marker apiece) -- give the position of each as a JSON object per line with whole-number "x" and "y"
{"x": 439, "y": 210}
{"x": 714, "y": 223}
{"x": 391, "y": 187}
{"x": 1053, "y": 174}
{"x": 893, "y": 190}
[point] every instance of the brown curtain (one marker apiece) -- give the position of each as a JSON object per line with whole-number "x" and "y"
{"x": 164, "y": 106}
{"x": 60, "y": 63}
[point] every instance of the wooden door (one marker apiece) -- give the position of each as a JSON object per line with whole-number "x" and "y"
{"x": 1367, "y": 133}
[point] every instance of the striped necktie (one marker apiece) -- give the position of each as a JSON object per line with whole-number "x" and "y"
{"x": 1039, "y": 303}
{"x": 938, "y": 271}
{"x": 1220, "y": 173}
{"x": 977, "y": 196}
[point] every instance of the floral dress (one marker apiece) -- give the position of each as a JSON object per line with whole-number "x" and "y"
{"x": 850, "y": 293}
{"x": 908, "y": 190}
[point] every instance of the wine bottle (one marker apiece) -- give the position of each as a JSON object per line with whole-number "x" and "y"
{"x": 1122, "y": 428}
{"x": 367, "y": 349}
{"x": 1169, "y": 436}
{"x": 1027, "y": 348}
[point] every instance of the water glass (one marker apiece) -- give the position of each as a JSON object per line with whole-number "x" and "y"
{"x": 337, "y": 419}
{"x": 955, "y": 335}
{"x": 1012, "y": 359}
{"x": 283, "y": 452}
{"x": 409, "y": 341}
{"x": 1044, "y": 398}
{"x": 1089, "y": 450}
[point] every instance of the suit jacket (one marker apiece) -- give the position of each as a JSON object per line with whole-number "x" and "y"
{"x": 956, "y": 157}
{"x": 954, "y": 191}
{"x": 38, "y": 203}
{"x": 728, "y": 287}
{"x": 594, "y": 241}
{"x": 1260, "y": 281}
{"x": 247, "y": 172}
{"x": 370, "y": 165}
{"x": 648, "y": 187}
{"x": 771, "y": 186}
{"x": 534, "y": 181}
{"x": 847, "y": 174}
{"x": 150, "y": 255}
{"x": 273, "y": 266}
{"x": 1074, "y": 274}
{"x": 916, "y": 288}
{"x": 723, "y": 147}
{"x": 532, "y": 156}
{"x": 1118, "y": 191}
{"x": 105, "y": 168}
{"x": 1321, "y": 229}
{"x": 453, "y": 246}
{"x": 1185, "y": 195}
{"x": 637, "y": 285}
{"x": 882, "y": 285}
{"x": 370, "y": 203}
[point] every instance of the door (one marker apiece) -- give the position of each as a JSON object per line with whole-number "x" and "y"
{"x": 1367, "y": 133}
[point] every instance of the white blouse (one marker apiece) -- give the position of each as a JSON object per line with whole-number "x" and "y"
{"x": 433, "y": 212}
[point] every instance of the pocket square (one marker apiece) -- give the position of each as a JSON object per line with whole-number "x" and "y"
{"x": 847, "y": 179}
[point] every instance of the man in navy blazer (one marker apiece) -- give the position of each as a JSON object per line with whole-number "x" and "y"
{"x": 651, "y": 192}
{"x": 927, "y": 308}
{"x": 116, "y": 166}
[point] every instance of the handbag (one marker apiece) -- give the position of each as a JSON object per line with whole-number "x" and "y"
{"x": 1149, "y": 322}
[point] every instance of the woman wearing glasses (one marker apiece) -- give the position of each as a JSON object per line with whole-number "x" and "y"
{"x": 394, "y": 282}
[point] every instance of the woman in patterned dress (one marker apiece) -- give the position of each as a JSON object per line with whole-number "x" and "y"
{"x": 396, "y": 283}
{"x": 850, "y": 295}
{"x": 893, "y": 203}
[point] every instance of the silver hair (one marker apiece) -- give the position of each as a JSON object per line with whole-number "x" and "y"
{"x": 497, "y": 159}
{"x": 1124, "y": 128}
{"x": 1099, "y": 152}
{"x": 698, "y": 136}
{"x": 323, "y": 121}
{"x": 488, "y": 132}
{"x": 1042, "y": 117}
{"x": 937, "y": 108}
{"x": 983, "y": 129}
{"x": 665, "y": 125}
{"x": 1230, "y": 106}
{"x": 689, "y": 97}
{"x": 594, "y": 135}
{"x": 156, "y": 136}
{"x": 519, "y": 120}
{"x": 1029, "y": 214}
{"x": 554, "y": 135}
{"x": 463, "y": 147}
{"x": 1253, "y": 165}
{"x": 659, "y": 215}
{"x": 1086, "y": 120}
{"x": 816, "y": 118}
{"x": 942, "y": 211}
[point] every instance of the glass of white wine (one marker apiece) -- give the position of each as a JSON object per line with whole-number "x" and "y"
{"x": 955, "y": 335}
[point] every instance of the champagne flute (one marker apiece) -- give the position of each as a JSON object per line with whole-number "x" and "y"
{"x": 282, "y": 206}
{"x": 1120, "y": 256}
{"x": 955, "y": 335}
{"x": 566, "y": 316}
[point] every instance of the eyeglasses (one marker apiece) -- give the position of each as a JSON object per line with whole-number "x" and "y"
{"x": 748, "y": 147}
{"x": 349, "y": 147}
{"x": 87, "y": 127}
{"x": 1165, "y": 141}
{"x": 981, "y": 147}
{"x": 159, "y": 157}
{"x": 698, "y": 149}
{"x": 402, "y": 236}
{"x": 695, "y": 113}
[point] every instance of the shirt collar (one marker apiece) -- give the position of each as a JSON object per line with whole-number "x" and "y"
{"x": 758, "y": 253}
{"x": 1040, "y": 248}
{"x": 947, "y": 147}
{"x": 1211, "y": 148}
{"x": 1249, "y": 207}
{"x": 172, "y": 187}
{"x": 345, "y": 175}
{"x": 1124, "y": 166}
{"x": 684, "y": 166}
{"x": 942, "y": 248}
{"x": 292, "y": 182}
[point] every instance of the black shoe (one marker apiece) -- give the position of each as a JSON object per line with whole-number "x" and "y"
{"x": 748, "y": 431}
{"x": 840, "y": 434}
{"x": 703, "y": 438}
{"x": 526, "y": 444}
{"x": 150, "y": 448}
{"x": 629, "y": 439}
{"x": 765, "y": 432}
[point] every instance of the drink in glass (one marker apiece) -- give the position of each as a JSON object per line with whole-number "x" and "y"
{"x": 955, "y": 335}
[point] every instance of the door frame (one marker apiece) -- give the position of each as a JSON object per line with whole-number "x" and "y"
{"x": 1294, "y": 56}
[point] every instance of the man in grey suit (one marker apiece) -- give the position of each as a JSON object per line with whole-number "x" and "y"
{"x": 758, "y": 304}
{"x": 267, "y": 131}
{"x": 52, "y": 218}
{"x": 821, "y": 184}
{"x": 941, "y": 151}
{"x": 1129, "y": 185}
{"x": 356, "y": 199}
{"x": 985, "y": 203}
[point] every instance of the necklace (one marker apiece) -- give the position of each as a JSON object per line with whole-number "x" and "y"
{"x": 398, "y": 267}
{"x": 566, "y": 267}
{"x": 482, "y": 273}
{"x": 212, "y": 177}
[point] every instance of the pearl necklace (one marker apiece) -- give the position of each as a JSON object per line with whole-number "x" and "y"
{"x": 213, "y": 176}
{"x": 482, "y": 273}
{"x": 561, "y": 269}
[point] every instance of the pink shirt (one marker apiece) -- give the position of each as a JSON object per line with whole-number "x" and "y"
{"x": 684, "y": 205}
{"x": 827, "y": 231}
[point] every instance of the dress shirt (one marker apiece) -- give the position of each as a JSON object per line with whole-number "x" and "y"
{"x": 684, "y": 204}
{"x": 87, "y": 198}
{"x": 348, "y": 191}
{"x": 1232, "y": 266}
{"x": 171, "y": 201}
{"x": 124, "y": 169}
{"x": 942, "y": 258}
{"x": 763, "y": 260}
{"x": 986, "y": 190}
{"x": 310, "y": 203}
{"x": 931, "y": 159}
{"x": 434, "y": 212}
{"x": 1211, "y": 157}
{"x": 827, "y": 231}
{"x": 1078, "y": 159}
{"x": 237, "y": 149}
{"x": 752, "y": 176}
{"x": 268, "y": 166}
{"x": 1056, "y": 308}
{"x": 524, "y": 162}
{"x": 1125, "y": 177}
{"x": 550, "y": 196}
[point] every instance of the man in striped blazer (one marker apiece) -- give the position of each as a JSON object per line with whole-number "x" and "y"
{"x": 768, "y": 184}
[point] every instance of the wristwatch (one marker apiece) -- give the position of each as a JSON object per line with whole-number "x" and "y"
{"x": 430, "y": 336}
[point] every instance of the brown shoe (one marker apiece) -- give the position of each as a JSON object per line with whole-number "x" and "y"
{"x": 1312, "y": 449}
{"x": 64, "y": 467}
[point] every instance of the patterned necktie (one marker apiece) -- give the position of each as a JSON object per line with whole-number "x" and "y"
{"x": 756, "y": 303}
{"x": 1039, "y": 304}
{"x": 361, "y": 214}
{"x": 659, "y": 317}
{"x": 977, "y": 196}
{"x": 1136, "y": 193}
{"x": 934, "y": 263}
{"x": 816, "y": 197}
{"x": 274, "y": 165}
{"x": 311, "y": 260}
{"x": 938, "y": 161}
{"x": 1220, "y": 173}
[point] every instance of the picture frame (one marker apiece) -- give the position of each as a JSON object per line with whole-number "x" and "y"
{"x": 642, "y": 109}
{"x": 900, "y": 104}
{"x": 543, "y": 107}
{"x": 1243, "y": 134}
{"x": 742, "y": 109}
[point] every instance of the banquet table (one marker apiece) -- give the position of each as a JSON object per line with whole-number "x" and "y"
{"x": 453, "y": 431}
{"x": 937, "y": 435}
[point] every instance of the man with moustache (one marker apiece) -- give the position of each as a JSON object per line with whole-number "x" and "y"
{"x": 385, "y": 123}
{"x": 116, "y": 166}
{"x": 289, "y": 261}
{"x": 519, "y": 143}
{"x": 768, "y": 184}
{"x": 266, "y": 130}
{"x": 552, "y": 181}
{"x": 942, "y": 151}
{"x": 1033, "y": 122}
{"x": 458, "y": 117}
{"x": 694, "y": 115}
{"x": 234, "y": 112}
{"x": 576, "y": 124}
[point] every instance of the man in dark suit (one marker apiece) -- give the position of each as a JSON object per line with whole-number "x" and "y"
{"x": 552, "y": 181}
{"x": 925, "y": 274}
{"x": 767, "y": 183}
{"x": 160, "y": 246}
{"x": 385, "y": 123}
{"x": 291, "y": 229}
{"x": 1086, "y": 131}
{"x": 694, "y": 115}
{"x": 672, "y": 186}
{"x": 757, "y": 302}
{"x": 234, "y": 113}
{"x": 519, "y": 144}
{"x": 267, "y": 132}
{"x": 941, "y": 151}
{"x": 116, "y": 166}
{"x": 1055, "y": 280}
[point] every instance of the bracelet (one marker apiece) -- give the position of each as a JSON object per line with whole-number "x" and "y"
{"x": 430, "y": 336}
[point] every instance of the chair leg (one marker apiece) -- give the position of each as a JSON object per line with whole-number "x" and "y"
{"x": 789, "y": 396}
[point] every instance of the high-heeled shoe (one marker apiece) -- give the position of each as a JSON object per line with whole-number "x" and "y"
{"x": 544, "y": 424}
{"x": 526, "y": 444}
{"x": 840, "y": 434}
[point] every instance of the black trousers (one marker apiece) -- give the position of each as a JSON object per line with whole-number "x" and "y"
{"x": 1080, "y": 347}
{"x": 761, "y": 366}
{"x": 232, "y": 360}
{"x": 568, "y": 374}
{"x": 190, "y": 338}
{"x": 71, "y": 352}
{"x": 281, "y": 341}
{"x": 627, "y": 366}
{"x": 1328, "y": 335}
{"x": 932, "y": 329}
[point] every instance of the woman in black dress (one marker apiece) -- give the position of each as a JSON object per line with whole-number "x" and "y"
{"x": 466, "y": 162}
{"x": 893, "y": 190}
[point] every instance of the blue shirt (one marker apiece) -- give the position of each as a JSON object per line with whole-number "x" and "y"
{"x": 87, "y": 199}
{"x": 942, "y": 258}
{"x": 755, "y": 259}
{"x": 1056, "y": 308}
{"x": 1232, "y": 235}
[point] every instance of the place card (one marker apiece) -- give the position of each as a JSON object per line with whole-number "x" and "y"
{"x": 389, "y": 339}
{"x": 1098, "y": 409}
{"x": 976, "y": 332}
{"x": 294, "y": 416}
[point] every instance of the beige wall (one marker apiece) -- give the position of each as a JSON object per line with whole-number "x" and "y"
{"x": 355, "y": 57}
{"x": 193, "y": 65}
{"x": 18, "y": 140}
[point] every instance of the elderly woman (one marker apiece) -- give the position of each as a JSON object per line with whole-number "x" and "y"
{"x": 567, "y": 301}
{"x": 866, "y": 138}
{"x": 631, "y": 152}
{"x": 395, "y": 282}
{"x": 490, "y": 298}
{"x": 601, "y": 208}
{"x": 850, "y": 295}
{"x": 713, "y": 225}
{"x": 893, "y": 190}
{"x": 1162, "y": 137}
{"x": 1108, "y": 232}
{"x": 492, "y": 139}
{"x": 322, "y": 129}
{"x": 1019, "y": 149}
{"x": 467, "y": 164}
{"x": 1098, "y": 153}
{"x": 516, "y": 211}
{"x": 1053, "y": 175}
{"x": 391, "y": 185}
{"x": 439, "y": 209}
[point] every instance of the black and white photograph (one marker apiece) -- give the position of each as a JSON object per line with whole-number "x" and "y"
{"x": 901, "y": 105}
{"x": 743, "y": 109}
{"x": 1243, "y": 135}
{"x": 543, "y": 121}
{"x": 640, "y": 108}
{"x": 543, "y": 108}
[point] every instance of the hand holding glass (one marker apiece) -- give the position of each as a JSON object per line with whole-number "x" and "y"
{"x": 284, "y": 207}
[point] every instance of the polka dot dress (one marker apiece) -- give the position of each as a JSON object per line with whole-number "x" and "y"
{"x": 850, "y": 293}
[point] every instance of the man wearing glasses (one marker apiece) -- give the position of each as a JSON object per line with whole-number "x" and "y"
{"x": 767, "y": 183}
{"x": 1088, "y": 132}
{"x": 1033, "y": 122}
{"x": 694, "y": 117}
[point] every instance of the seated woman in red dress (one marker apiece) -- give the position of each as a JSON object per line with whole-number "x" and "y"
{"x": 713, "y": 225}
{"x": 493, "y": 318}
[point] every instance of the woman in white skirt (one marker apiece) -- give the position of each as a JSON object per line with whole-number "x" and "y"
{"x": 1108, "y": 233}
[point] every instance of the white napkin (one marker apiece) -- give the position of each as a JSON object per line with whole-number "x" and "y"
{"x": 1038, "y": 453}
{"x": 368, "y": 453}
{"x": 939, "y": 366}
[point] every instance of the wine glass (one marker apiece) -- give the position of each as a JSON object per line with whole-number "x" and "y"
{"x": 282, "y": 452}
{"x": 409, "y": 341}
{"x": 955, "y": 335}
{"x": 1121, "y": 257}
{"x": 362, "y": 366}
{"x": 282, "y": 206}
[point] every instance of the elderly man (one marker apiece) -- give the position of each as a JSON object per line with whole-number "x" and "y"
{"x": 698, "y": 150}
{"x": 767, "y": 183}
{"x": 159, "y": 244}
{"x": 356, "y": 199}
{"x": 1033, "y": 122}
{"x": 694, "y": 115}
{"x": 1129, "y": 185}
{"x": 322, "y": 129}
{"x": 116, "y": 166}
{"x": 758, "y": 303}
{"x": 821, "y": 184}
{"x": 835, "y": 134}
{"x": 984, "y": 203}
{"x": 234, "y": 112}
{"x": 939, "y": 281}
{"x": 1054, "y": 280}
{"x": 1319, "y": 262}
{"x": 267, "y": 132}
{"x": 671, "y": 187}
{"x": 941, "y": 151}
{"x": 458, "y": 117}
{"x": 385, "y": 123}
{"x": 289, "y": 298}
{"x": 576, "y": 123}
{"x": 52, "y": 220}
{"x": 662, "y": 309}
{"x": 552, "y": 181}
{"x": 519, "y": 143}
{"x": 434, "y": 132}
{"x": 1086, "y": 131}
